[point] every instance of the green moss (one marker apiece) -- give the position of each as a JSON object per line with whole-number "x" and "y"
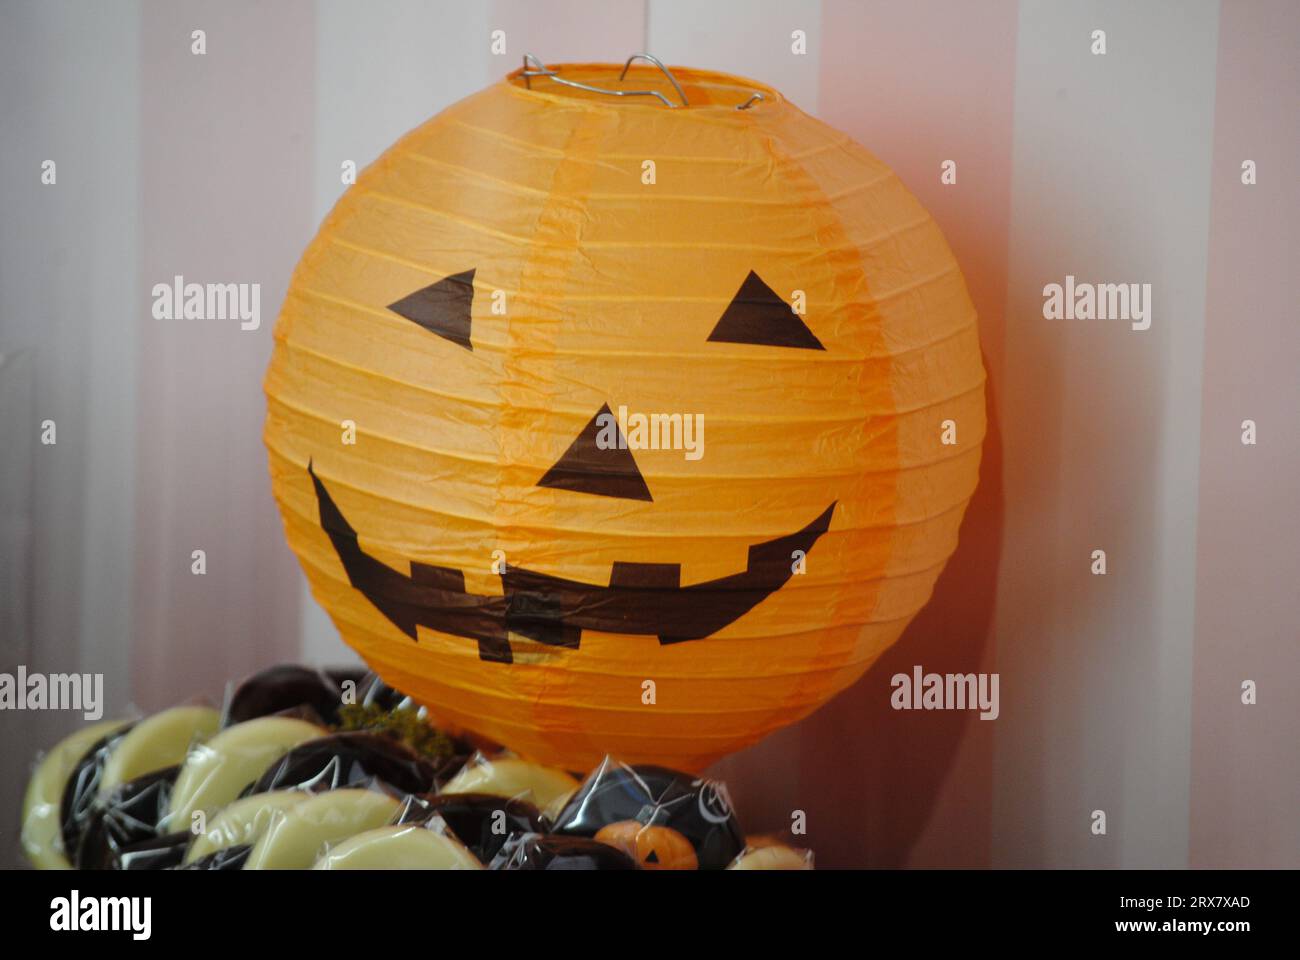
{"x": 403, "y": 724}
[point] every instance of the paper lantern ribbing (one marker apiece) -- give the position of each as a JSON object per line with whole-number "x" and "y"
{"x": 648, "y": 411}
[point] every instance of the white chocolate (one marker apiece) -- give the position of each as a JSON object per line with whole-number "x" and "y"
{"x": 511, "y": 777}
{"x": 216, "y": 772}
{"x": 243, "y": 822}
{"x": 157, "y": 742}
{"x": 773, "y": 858}
{"x": 297, "y": 837}
{"x": 42, "y": 828}
{"x": 408, "y": 847}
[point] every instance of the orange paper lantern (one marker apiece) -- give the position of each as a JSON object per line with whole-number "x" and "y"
{"x": 612, "y": 425}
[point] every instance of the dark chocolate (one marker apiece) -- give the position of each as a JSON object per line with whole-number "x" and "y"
{"x": 81, "y": 790}
{"x": 348, "y": 760}
{"x": 128, "y": 815}
{"x": 475, "y": 819}
{"x": 532, "y": 851}
{"x": 656, "y": 796}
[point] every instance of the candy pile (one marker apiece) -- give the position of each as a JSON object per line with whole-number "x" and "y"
{"x": 335, "y": 770}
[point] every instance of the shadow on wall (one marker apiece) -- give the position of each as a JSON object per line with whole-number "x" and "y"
{"x": 888, "y": 788}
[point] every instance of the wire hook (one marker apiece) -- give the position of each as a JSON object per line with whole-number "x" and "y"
{"x": 541, "y": 70}
{"x": 534, "y": 67}
{"x": 658, "y": 63}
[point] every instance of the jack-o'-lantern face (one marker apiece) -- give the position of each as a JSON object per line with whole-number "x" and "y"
{"x": 604, "y": 427}
{"x": 641, "y": 598}
{"x": 650, "y": 847}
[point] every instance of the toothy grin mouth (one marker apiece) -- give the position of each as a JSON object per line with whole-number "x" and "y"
{"x": 641, "y": 598}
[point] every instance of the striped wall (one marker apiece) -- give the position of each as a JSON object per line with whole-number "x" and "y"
{"x": 1110, "y": 173}
{"x": 1120, "y": 693}
{"x": 68, "y": 260}
{"x": 225, "y": 143}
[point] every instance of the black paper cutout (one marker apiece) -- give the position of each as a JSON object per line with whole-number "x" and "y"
{"x": 442, "y": 308}
{"x": 640, "y": 599}
{"x": 661, "y": 575}
{"x": 586, "y": 468}
{"x": 757, "y": 315}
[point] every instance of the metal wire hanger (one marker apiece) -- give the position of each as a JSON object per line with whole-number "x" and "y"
{"x": 534, "y": 67}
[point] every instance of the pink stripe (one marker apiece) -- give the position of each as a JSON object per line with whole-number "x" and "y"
{"x": 917, "y": 84}
{"x": 226, "y": 196}
{"x": 1245, "y": 765}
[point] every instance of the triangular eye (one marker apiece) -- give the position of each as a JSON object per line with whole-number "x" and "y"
{"x": 442, "y": 308}
{"x": 757, "y": 315}
{"x": 591, "y": 466}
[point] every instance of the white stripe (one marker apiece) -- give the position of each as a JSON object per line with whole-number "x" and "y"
{"x": 1101, "y": 427}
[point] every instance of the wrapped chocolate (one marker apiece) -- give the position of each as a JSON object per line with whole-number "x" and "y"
{"x": 773, "y": 857}
{"x": 156, "y": 853}
{"x": 533, "y": 851}
{"x": 155, "y": 743}
{"x": 378, "y": 788}
{"x": 220, "y": 770}
{"x": 228, "y": 858}
{"x": 81, "y": 791}
{"x": 134, "y": 773}
{"x": 347, "y": 760}
{"x": 128, "y": 814}
{"x": 301, "y": 834}
{"x": 508, "y": 776}
{"x": 241, "y": 824}
{"x": 43, "y": 814}
{"x": 289, "y": 686}
{"x": 481, "y": 821}
{"x": 406, "y": 847}
{"x": 657, "y": 816}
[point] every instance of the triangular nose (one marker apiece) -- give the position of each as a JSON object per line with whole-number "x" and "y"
{"x": 598, "y": 462}
{"x": 759, "y": 316}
